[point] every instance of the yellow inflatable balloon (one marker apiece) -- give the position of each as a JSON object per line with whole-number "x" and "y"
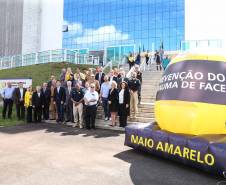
{"x": 192, "y": 95}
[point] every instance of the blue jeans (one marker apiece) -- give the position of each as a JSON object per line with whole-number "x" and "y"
{"x": 106, "y": 107}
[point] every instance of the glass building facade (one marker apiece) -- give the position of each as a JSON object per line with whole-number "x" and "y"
{"x": 117, "y": 27}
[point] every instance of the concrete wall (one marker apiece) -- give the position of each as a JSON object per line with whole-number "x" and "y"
{"x": 31, "y": 26}
{"x": 205, "y": 19}
{"x": 51, "y": 24}
{"x": 11, "y": 21}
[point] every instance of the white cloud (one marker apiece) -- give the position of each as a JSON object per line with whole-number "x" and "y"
{"x": 102, "y": 34}
{"x": 74, "y": 28}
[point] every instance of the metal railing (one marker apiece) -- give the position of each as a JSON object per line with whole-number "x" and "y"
{"x": 59, "y": 55}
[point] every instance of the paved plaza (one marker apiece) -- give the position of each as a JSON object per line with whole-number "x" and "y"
{"x": 49, "y": 154}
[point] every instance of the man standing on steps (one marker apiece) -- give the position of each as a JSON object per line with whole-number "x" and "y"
{"x": 134, "y": 86}
{"x": 77, "y": 96}
{"x": 104, "y": 93}
{"x": 91, "y": 97}
{"x": 100, "y": 76}
{"x": 123, "y": 78}
{"x": 139, "y": 77}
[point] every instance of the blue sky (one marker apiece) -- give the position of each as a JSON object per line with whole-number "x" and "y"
{"x": 127, "y": 21}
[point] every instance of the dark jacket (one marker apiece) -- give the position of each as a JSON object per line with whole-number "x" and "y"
{"x": 120, "y": 80}
{"x": 126, "y": 100}
{"x": 113, "y": 97}
{"x": 61, "y": 96}
{"x": 102, "y": 77}
{"x": 47, "y": 95}
{"x": 134, "y": 84}
{"x": 17, "y": 95}
{"x": 37, "y": 101}
{"x": 114, "y": 79}
{"x": 139, "y": 76}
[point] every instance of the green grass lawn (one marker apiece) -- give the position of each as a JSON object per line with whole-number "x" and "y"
{"x": 10, "y": 122}
{"x": 40, "y": 73}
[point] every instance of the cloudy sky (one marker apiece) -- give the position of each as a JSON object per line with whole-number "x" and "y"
{"x": 101, "y": 23}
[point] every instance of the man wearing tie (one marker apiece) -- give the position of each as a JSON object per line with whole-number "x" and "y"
{"x": 100, "y": 76}
{"x": 59, "y": 100}
{"x": 38, "y": 104}
{"x": 47, "y": 96}
{"x": 7, "y": 95}
{"x": 18, "y": 97}
{"x": 68, "y": 102}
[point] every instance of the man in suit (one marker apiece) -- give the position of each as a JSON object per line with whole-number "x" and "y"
{"x": 18, "y": 97}
{"x": 68, "y": 102}
{"x": 47, "y": 95}
{"x": 123, "y": 78}
{"x": 38, "y": 104}
{"x": 59, "y": 100}
{"x": 113, "y": 77}
{"x": 100, "y": 75}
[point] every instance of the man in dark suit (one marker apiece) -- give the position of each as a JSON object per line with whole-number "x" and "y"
{"x": 68, "y": 102}
{"x": 59, "y": 99}
{"x": 100, "y": 75}
{"x": 123, "y": 78}
{"x": 47, "y": 96}
{"x": 18, "y": 97}
{"x": 38, "y": 104}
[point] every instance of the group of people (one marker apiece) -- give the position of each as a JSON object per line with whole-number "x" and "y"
{"x": 74, "y": 97}
{"x": 161, "y": 60}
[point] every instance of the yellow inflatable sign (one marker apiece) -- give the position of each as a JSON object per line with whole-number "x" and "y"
{"x": 192, "y": 95}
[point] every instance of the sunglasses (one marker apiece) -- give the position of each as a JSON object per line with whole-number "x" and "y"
{"x": 92, "y": 87}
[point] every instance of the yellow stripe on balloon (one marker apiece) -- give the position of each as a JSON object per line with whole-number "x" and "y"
{"x": 182, "y": 58}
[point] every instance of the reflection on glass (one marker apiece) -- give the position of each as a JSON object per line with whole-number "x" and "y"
{"x": 100, "y": 24}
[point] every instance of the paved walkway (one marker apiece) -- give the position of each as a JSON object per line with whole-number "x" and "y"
{"x": 49, "y": 154}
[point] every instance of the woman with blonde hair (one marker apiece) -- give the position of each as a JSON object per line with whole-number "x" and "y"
{"x": 28, "y": 103}
{"x": 113, "y": 102}
{"x": 69, "y": 75}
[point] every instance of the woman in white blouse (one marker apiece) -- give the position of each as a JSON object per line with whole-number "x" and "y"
{"x": 124, "y": 101}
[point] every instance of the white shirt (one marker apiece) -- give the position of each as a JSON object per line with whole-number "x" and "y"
{"x": 91, "y": 95}
{"x": 8, "y": 93}
{"x": 69, "y": 90}
{"x": 100, "y": 74}
{"x": 21, "y": 93}
{"x": 39, "y": 95}
{"x": 121, "y": 96}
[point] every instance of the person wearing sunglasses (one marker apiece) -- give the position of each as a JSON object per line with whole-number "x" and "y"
{"x": 91, "y": 98}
